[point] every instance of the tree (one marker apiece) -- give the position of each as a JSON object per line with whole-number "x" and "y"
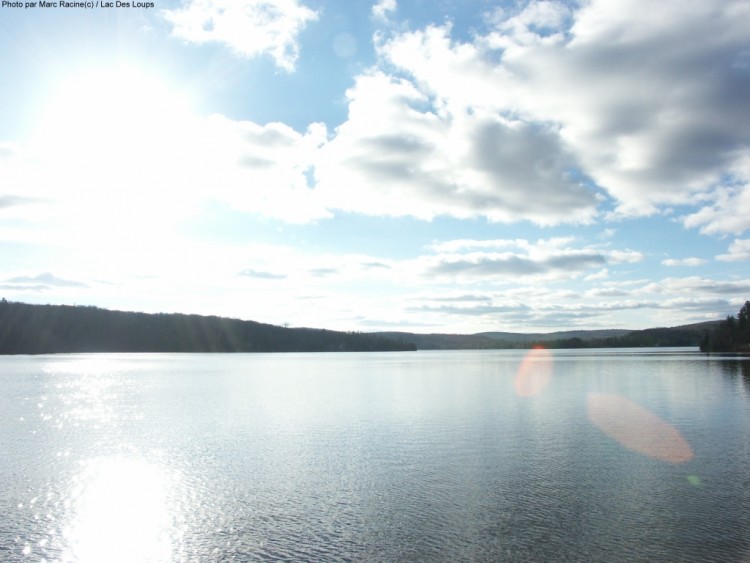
{"x": 731, "y": 335}
{"x": 743, "y": 323}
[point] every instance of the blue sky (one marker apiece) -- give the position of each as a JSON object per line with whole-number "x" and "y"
{"x": 426, "y": 166}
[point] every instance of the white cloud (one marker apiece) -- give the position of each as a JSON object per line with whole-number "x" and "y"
{"x": 513, "y": 260}
{"x": 40, "y": 282}
{"x": 383, "y": 8}
{"x": 513, "y": 266}
{"x": 262, "y": 168}
{"x": 629, "y": 303}
{"x": 696, "y": 285}
{"x": 398, "y": 154}
{"x": 260, "y": 274}
{"x": 523, "y": 244}
{"x": 729, "y": 212}
{"x": 537, "y": 23}
{"x": 248, "y": 27}
{"x": 507, "y": 284}
{"x": 626, "y": 256}
{"x": 286, "y": 284}
{"x": 523, "y": 288}
{"x": 602, "y": 274}
{"x": 739, "y": 250}
{"x": 692, "y": 262}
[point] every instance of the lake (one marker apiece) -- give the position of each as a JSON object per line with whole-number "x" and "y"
{"x": 565, "y": 455}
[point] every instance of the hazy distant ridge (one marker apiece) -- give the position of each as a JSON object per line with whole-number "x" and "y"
{"x": 686, "y": 335}
{"x": 559, "y": 335}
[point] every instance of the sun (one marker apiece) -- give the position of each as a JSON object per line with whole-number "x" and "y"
{"x": 112, "y": 152}
{"x": 110, "y": 114}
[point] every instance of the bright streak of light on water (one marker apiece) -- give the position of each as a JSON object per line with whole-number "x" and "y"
{"x": 121, "y": 512}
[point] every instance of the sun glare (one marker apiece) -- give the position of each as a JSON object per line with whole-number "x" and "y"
{"x": 105, "y": 115}
{"x": 113, "y": 147}
{"x": 122, "y": 512}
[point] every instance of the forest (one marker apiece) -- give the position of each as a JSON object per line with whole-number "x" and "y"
{"x": 731, "y": 334}
{"x": 47, "y": 329}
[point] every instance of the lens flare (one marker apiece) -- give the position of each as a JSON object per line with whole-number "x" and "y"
{"x": 534, "y": 373}
{"x": 695, "y": 481}
{"x": 637, "y": 428}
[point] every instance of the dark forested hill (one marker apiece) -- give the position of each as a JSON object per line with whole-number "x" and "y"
{"x": 43, "y": 329}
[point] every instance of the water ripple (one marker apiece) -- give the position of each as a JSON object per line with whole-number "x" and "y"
{"x": 337, "y": 458}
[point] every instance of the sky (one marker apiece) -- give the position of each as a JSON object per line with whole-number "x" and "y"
{"x": 425, "y": 166}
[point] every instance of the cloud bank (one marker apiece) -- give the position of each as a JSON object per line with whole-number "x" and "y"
{"x": 650, "y": 106}
{"x": 552, "y": 115}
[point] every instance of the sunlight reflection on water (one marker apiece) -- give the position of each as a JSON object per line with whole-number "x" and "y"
{"x": 121, "y": 512}
{"x": 85, "y": 365}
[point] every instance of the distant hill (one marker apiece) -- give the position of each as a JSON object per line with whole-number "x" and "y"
{"x": 686, "y": 335}
{"x": 447, "y": 341}
{"x": 560, "y": 335}
{"x": 44, "y": 329}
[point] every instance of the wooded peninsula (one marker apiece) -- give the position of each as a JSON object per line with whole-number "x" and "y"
{"x": 48, "y": 329}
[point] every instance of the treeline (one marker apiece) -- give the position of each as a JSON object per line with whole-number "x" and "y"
{"x": 731, "y": 335}
{"x": 448, "y": 341}
{"x": 648, "y": 338}
{"x": 46, "y": 329}
{"x": 688, "y": 335}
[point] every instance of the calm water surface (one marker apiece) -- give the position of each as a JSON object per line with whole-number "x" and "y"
{"x": 586, "y": 455}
